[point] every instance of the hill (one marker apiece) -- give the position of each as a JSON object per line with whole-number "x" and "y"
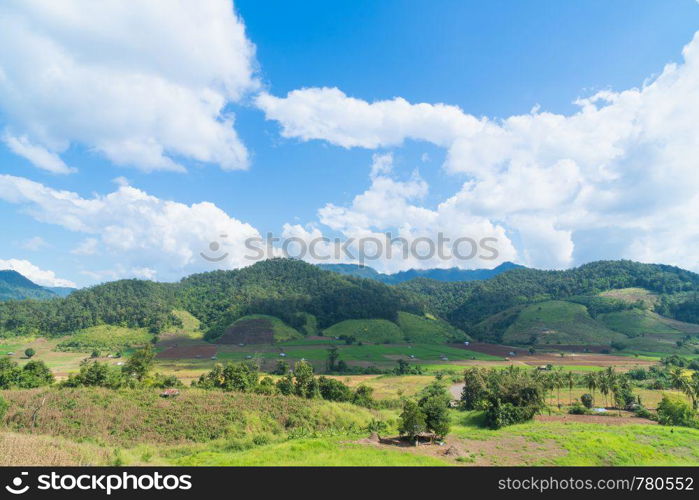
{"x": 452, "y": 274}
{"x": 14, "y": 286}
{"x": 621, "y": 302}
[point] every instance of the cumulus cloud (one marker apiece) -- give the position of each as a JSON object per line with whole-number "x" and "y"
{"x": 34, "y": 273}
{"x": 395, "y": 207}
{"x": 623, "y": 162}
{"x": 142, "y": 83}
{"x": 140, "y": 234}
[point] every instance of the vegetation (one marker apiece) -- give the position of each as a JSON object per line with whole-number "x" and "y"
{"x": 31, "y": 375}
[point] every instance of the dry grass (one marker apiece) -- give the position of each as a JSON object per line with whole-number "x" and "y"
{"x": 24, "y": 449}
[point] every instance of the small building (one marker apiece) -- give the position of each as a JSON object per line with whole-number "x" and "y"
{"x": 282, "y": 354}
{"x": 467, "y": 343}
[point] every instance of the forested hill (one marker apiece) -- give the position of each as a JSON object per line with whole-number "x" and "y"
{"x": 466, "y": 304}
{"x": 452, "y": 274}
{"x": 14, "y": 286}
{"x": 292, "y": 290}
{"x": 285, "y": 288}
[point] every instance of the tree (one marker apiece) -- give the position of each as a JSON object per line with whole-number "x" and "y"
{"x": 591, "y": 384}
{"x": 412, "y": 421}
{"x": 140, "y": 363}
{"x": 474, "y": 390}
{"x": 570, "y": 379}
{"x": 674, "y": 411}
{"x": 30, "y": 353}
{"x": 333, "y": 356}
{"x": 303, "y": 372}
{"x": 434, "y": 404}
{"x": 558, "y": 382}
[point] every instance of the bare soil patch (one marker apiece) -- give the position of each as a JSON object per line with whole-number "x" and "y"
{"x": 249, "y": 331}
{"x": 501, "y": 450}
{"x": 187, "y": 352}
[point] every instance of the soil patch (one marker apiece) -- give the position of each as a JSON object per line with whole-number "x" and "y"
{"x": 249, "y": 331}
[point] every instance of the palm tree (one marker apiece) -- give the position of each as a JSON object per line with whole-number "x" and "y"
{"x": 591, "y": 384}
{"x": 693, "y": 386}
{"x": 570, "y": 379}
{"x": 677, "y": 379}
{"x": 558, "y": 383}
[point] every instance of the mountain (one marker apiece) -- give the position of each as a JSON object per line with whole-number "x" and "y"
{"x": 14, "y": 286}
{"x": 452, "y": 274}
{"x": 610, "y": 304}
{"x": 61, "y": 291}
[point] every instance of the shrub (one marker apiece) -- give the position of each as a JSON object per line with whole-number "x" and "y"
{"x": 30, "y": 353}
{"x": 4, "y": 405}
{"x": 673, "y": 410}
{"x": 578, "y": 409}
{"x": 586, "y": 400}
{"x": 499, "y": 414}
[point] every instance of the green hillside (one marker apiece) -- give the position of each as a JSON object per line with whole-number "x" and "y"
{"x": 426, "y": 330}
{"x": 558, "y": 322}
{"x": 376, "y": 331}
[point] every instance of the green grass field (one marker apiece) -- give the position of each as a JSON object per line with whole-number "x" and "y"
{"x": 105, "y": 338}
{"x": 367, "y": 330}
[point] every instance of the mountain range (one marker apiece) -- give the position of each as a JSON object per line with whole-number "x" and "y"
{"x": 14, "y": 286}
{"x": 451, "y": 274}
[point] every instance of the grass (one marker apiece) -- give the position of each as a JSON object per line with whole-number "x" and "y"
{"x": 637, "y": 322}
{"x": 388, "y": 386}
{"x": 310, "y": 452}
{"x": 632, "y": 296}
{"x": 132, "y": 416}
{"x": 428, "y": 330}
{"x": 367, "y": 353}
{"x": 105, "y": 338}
{"x": 190, "y": 325}
{"x": 582, "y": 444}
{"x": 367, "y": 330}
{"x": 557, "y": 321}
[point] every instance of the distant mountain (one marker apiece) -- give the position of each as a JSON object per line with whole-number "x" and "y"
{"x": 14, "y": 286}
{"x": 452, "y": 274}
{"x": 61, "y": 291}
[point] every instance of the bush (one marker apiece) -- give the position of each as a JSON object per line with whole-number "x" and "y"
{"x": 499, "y": 415}
{"x": 4, "y": 405}
{"x": 586, "y": 400}
{"x": 642, "y": 412}
{"x": 30, "y": 353}
{"x": 578, "y": 409}
{"x": 673, "y": 410}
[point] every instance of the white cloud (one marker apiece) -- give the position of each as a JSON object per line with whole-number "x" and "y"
{"x": 395, "y": 207}
{"x": 625, "y": 162}
{"x": 33, "y": 273}
{"x": 143, "y": 83}
{"x": 37, "y": 155}
{"x": 137, "y": 233}
{"x": 34, "y": 243}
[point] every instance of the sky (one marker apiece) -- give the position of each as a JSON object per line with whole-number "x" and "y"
{"x": 158, "y": 139}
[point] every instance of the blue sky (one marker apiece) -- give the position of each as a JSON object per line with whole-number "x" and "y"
{"x": 155, "y": 167}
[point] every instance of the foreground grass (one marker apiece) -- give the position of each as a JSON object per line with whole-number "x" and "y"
{"x": 582, "y": 444}
{"x": 310, "y": 452}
